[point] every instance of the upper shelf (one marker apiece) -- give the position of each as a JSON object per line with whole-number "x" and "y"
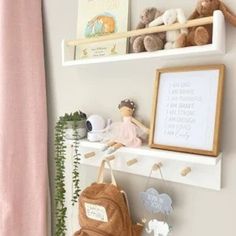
{"x": 216, "y": 48}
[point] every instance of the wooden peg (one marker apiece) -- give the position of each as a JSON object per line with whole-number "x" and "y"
{"x": 89, "y": 155}
{"x": 131, "y": 162}
{"x": 110, "y": 158}
{"x": 186, "y": 171}
{"x": 157, "y": 166}
{"x": 144, "y": 220}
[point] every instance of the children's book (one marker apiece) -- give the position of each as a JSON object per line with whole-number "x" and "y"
{"x": 99, "y": 18}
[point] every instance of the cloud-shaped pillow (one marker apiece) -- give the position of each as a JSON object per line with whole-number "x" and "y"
{"x": 155, "y": 202}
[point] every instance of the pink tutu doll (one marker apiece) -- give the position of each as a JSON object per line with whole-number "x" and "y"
{"x": 126, "y": 133}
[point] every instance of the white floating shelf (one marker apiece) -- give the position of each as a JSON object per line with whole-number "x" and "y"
{"x": 216, "y": 48}
{"x": 157, "y": 153}
{"x": 206, "y": 171}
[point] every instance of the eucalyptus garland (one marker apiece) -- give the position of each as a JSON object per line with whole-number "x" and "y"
{"x": 76, "y": 162}
{"x": 60, "y": 157}
{"x": 60, "y": 176}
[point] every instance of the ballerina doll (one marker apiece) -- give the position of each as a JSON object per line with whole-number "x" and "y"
{"x": 126, "y": 133}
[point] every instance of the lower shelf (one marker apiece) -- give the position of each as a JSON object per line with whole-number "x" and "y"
{"x": 205, "y": 171}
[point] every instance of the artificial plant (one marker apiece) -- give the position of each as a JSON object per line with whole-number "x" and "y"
{"x": 60, "y": 157}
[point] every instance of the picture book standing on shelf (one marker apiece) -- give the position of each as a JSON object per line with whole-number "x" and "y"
{"x": 99, "y": 18}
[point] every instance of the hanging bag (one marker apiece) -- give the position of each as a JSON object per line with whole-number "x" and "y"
{"x": 103, "y": 209}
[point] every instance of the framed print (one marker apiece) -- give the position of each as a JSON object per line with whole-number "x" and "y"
{"x": 186, "y": 111}
{"x": 98, "y": 18}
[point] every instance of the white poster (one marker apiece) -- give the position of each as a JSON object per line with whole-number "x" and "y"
{"x": 186, "y": 109}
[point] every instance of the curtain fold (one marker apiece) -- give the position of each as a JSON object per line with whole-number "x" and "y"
{"x": 23, "y": 120}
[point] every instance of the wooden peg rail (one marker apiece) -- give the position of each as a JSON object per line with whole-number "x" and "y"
{"x": 132, "y": 33}
{"x": 185, "y": 168}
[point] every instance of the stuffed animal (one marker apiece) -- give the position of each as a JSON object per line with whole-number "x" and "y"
{"x": 126, "y": 133}
{"x": 169, "y": 17}
{"x": 202, "y": 35}
{"x": 150, "y": 42}
{"x": 159, "y": 228}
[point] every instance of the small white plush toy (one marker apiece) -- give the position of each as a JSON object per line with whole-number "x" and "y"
{"x": 169, "y": 17}
{"x": 159, "y": 228}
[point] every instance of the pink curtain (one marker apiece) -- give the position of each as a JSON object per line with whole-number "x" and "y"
{"x": 23, "y": 121}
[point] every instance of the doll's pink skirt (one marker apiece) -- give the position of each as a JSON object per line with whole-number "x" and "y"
{"x": 125, "y": 133}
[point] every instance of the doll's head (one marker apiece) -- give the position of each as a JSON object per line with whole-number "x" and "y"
{"x": 127, "y": 107}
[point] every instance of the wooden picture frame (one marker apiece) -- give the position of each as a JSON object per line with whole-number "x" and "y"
{"x": 187, "y": 107}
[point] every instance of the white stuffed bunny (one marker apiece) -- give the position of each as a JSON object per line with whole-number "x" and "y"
{"x": 169, "y": 17}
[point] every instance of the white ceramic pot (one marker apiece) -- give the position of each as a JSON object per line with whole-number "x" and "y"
{"x": 82, "y": 131}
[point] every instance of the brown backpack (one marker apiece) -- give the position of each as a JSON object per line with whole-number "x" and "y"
{"x": 103, "y": 210}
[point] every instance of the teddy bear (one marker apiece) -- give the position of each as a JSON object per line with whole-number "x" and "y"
{"x": 149, "y": 42}
{"x": 202, "y": 35}
{"x": 169, "y": 17}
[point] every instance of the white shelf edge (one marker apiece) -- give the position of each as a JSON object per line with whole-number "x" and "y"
{"x": 160, "y": 154}
{"x": 206, "y": 171}
{"x": 171, "y": 53}
{"x": 211, "y": 180}
{"x": 216, "y": 48}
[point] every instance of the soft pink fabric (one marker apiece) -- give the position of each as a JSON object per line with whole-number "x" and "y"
{"x": 23, "y": 126}
{"x": 126, "y": 132}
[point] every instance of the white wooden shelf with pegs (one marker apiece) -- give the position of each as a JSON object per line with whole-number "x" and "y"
{"x": 216, "y": 48}
{"x": 190, "y": 169}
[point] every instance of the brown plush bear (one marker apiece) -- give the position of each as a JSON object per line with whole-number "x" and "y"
{"x": 150, "y": 42}
{"x": 202, "y": 35}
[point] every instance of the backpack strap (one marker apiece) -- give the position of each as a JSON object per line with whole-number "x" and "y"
{"x": 100, "y": 178}
{"x": 126, "y": 200}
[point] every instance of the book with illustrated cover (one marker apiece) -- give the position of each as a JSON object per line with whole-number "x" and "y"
{"x": 99, "y": 18}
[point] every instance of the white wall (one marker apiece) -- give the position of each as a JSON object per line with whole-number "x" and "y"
{"x": 99, "y": 89}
